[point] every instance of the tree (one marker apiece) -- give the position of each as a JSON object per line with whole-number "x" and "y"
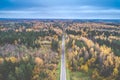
{"x": 11, "y": 76}
{"x": 115, "y": 72}
{"x": 86, "y": 55}
{"x": 38, "y": 61}
{"x": 84, "y": 68}
{"x": 1, "y": 60}
{"x": 55, "y": 45}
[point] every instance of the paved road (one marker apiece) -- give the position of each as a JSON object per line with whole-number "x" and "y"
{"x": 63, "y": 63}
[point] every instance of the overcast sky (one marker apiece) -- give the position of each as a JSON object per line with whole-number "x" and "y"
{"x": 62, "y": 9}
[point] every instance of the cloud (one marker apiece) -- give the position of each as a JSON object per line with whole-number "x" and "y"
{"x": 63, "y": 12}
{"x": 60, "y": 8}
{"x": 22, "y": 4}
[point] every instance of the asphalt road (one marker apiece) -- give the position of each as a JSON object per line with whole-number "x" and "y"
{"x": 63, "y": 63}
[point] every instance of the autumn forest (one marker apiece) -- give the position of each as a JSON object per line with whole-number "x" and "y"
{"x": 31, "y": 49}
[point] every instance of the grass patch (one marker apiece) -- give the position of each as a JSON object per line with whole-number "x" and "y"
{"x": 68, "y": 74}
{"x": 67, "y": 70}
{"x": 58, "y": 70}
{"x": 79, "y": 76}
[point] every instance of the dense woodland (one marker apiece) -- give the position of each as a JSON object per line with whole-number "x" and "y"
{"x": 31, "y": 50}
{"x": 29, "y": 55}
{"x": 93, "y": 53}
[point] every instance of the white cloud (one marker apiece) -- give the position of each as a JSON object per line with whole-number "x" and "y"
{"x": 63, "y": 12}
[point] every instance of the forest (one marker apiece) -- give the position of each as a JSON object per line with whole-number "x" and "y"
{"x": 31, "y": 50}
{"x": 29, "y": 55}
{"x": 93, "y": 54}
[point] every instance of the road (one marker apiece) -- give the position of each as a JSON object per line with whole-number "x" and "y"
{"x": 63, "y": 62}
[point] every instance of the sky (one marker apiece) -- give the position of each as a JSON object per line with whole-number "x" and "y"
{"x": 60, "y": 9}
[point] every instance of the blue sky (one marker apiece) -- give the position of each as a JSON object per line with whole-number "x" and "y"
{"x": 60, "y": 9}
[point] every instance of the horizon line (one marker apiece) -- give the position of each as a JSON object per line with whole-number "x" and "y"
{"x": 68, "y": 18}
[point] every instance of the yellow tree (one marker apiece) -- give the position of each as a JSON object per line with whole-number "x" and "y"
{"x": 38, "y": 61}
{"x": 84, "y": 68}
{"x": 115, "y": 72}
{"x": 1, "y": 60}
